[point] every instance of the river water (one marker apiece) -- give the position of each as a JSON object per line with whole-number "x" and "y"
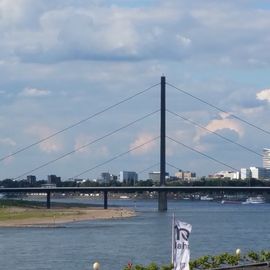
{"x": 142, "y": 239}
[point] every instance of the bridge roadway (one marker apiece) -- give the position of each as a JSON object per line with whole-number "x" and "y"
{"x": 105, "y": 190}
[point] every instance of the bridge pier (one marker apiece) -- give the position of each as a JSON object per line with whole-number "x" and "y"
{"x": 48, "y": 200}
{"x": 162, "y": 201}
{"x": 105, "y": 195}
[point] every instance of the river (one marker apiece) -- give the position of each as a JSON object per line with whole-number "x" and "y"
{"x": 142, "y": 239}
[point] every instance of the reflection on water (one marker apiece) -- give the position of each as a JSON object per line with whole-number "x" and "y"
{"x": 142, "y": 239}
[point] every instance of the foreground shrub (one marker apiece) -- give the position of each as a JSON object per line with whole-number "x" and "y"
{"x": 209, "y": 262}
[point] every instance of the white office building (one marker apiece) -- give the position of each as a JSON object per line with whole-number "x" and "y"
{"x": 226, "y": 174}
{"x": 266, "y": 158}
{"x": 260, "y": 173}
{"x": 245, "y": 173}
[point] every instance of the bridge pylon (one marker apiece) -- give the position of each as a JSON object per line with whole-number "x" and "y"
{"x": 162, "y": 195}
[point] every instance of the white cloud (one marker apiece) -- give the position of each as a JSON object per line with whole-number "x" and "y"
{"x": 184, "y": 41}
{"x": 40, "y": 132}
{"x": 220, "y": 124}
{"x": 140, "y": 140}
{"x": 7, "y": 141}
{"x": 251, "y": 112}
{"x": 49, "y": 32}
{"x": 231, "y": 124}
{"x": 264, "y": 95}
{"x": 34, "y": 92}
{"x": 11, "y": 12}
{"x": 116, "y": 33}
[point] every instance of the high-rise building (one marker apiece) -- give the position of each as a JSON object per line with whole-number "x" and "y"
{"x": 155, "y": 176}
{"x": 105, "y": 177}
{"x": 245, "y": 173}
{"x": 53, "y": 179}
{"x": 128, "y": 177}
{"x": 266, "y": 158}
{"x": 260, "y": 173}
{"x": 31, "y": 179}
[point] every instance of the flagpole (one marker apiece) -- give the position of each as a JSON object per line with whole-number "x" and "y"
{"x": 173, "y": 238}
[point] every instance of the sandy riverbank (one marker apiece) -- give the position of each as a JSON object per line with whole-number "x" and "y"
{"x": 40, "y": 217}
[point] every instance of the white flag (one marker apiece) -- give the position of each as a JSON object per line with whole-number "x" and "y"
{"x": 181, "y": 252}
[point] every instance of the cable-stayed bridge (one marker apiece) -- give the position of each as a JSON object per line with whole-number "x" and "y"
{"x": 162, "y": 137}
{"x": 159, "y": 189}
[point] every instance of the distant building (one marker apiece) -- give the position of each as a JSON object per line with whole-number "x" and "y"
{"x": 179, "y": 175}
{"x": 31, "y": 179}
{"x": 235, "y": 175}
{"x": 77, "y": 181}
{"x": 245, "y": 173}
{"x": 155, "y": 176}
{"x": 128, "y": 177}
{"x": 260, "y": 173}
{"x": 114, "y": 177}
{"x": 105, "y": 177}
{"x": 266, "y": 158}
{"x": 53, "y": 179}
{"x": 185, "y": 175}
{"x": 226, "y": 174}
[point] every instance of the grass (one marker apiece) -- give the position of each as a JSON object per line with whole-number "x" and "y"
{"x": 19, "y": 210}
{"x": 39, "y": 204}
{"x": 20, "y": 203}
{"x": 13, "y": 214}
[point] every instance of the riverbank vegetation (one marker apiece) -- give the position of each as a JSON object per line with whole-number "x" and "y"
{"x": 204, "y": 181}
{"x": 39, "y": 204}
{"x": 20, "y": 213}
{"x": 211, "y": 262}
{"x": 14, "y": 210}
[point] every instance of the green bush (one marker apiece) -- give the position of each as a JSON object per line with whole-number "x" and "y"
{"x": 209, "y": 262}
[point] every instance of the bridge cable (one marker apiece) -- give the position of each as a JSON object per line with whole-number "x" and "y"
{"x": 221, "y": 110}
{"x": 85, "y": 145}
{"x": 217, "y": 134}
{"x": 146, "y": 169}
{"x": 115, "y": 157}
{"x": 77, "y": 123}
{"x": 209, "y": 157}
{"x": 173, "y": 166}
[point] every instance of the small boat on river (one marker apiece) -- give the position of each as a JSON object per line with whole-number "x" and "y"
{"x": 206, "y": 198}
{"x": 254, "y": 200}
{"x": 124, "y": 197}
{"x": 231, "y": 202}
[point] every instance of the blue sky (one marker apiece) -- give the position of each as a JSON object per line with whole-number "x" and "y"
{"x": 62, "y": 61}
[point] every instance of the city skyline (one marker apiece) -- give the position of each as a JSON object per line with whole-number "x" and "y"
{"x": 251, "y": 171}
{"x": 56, "y": 76}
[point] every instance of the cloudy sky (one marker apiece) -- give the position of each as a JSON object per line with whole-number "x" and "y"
{"x": 62, "y": 61}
